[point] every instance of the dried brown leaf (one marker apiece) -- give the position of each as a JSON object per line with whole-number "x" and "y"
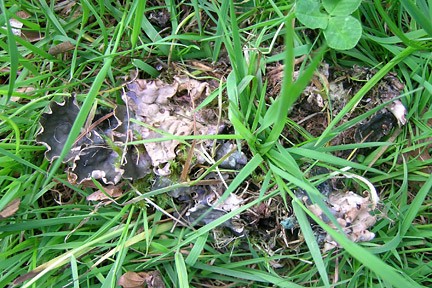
{"x": 203, "y": 214}
{"x": 166, "y": 108}
{"x": 132, "y": 280}
{"x": 26, "y": 276}
{"x": 31, "y": 36}
{"x": 150, "y": 279}
{"x": 18, "y": 30}
{"x": 16, "y": 26}
{"x": 23, "y": 14}
{"x": 64, "y": 7}
{"x": 10, "y": 209}
{"x": 111, "y": 191}
{"x": 61, "y": 48}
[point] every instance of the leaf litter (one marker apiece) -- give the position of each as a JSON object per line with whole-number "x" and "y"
{"x": 10, "y": 209}
{"x": 159, "y": 115}
{"x": 152, "y": 102}
{"x": 151, "y": 279}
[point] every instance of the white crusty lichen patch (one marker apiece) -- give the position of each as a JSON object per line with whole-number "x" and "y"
{"x": 352, "y": 213}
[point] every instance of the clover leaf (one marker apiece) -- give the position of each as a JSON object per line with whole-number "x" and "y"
{"x": 341, "y": 30}
{"x": 340, "y": 7}
{"x": 309, "y": 14}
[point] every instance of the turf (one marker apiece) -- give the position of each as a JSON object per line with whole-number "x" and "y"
{"x": 88, "y": 48}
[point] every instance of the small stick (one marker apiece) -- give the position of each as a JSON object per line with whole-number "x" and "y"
{"x": 92, "y": 126}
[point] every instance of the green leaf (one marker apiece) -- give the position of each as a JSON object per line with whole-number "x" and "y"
{"x": 49, "y": 12}
{"x": 246, "y": 273}
{"x": 74, "y": 269}
{"x": 341, "y": 7}
{"x": 196, "y": 250}
{"x": 415, "y": 206}
{"x": 421, "y": 17}
{"x": 308, "y": 12}
{"x": 143, "y": 66}
{"x": 13, "y": 54}
{"x": 343, "y": 33}
{"x": 181, "y": 270}
{"x": 139, "y": 14}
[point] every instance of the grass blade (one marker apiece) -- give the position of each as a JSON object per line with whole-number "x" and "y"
{"x": 13, "y": 53}
{"x": 248, "y": 274}
{"x": 423, "y": 19}
{"x": 74, "y": 269}
{"x": 54, "y": 20}
{"x": 139, "y": 7}
{"x": 182, "y": 272}
{"x": 394, "y": 27}
{"x": 389, "y": 274}
{"x": 196, "y": 250}
{"x": 290, "y": 92}
{"x": 415, "y": 206}
{"x": 311, "y": 242}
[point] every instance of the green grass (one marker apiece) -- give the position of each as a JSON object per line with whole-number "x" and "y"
{"x": 57, "y": 238}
